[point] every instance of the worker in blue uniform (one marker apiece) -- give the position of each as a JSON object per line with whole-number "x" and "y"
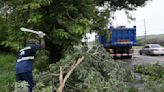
{"x": 25, "y": 61}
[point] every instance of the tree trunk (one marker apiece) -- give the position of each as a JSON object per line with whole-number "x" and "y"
{"x": 56, "y": 53}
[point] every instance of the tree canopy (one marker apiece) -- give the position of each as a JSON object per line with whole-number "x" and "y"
{"x": 64, "y": 21}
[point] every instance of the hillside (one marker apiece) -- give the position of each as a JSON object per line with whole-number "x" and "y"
{"x": 151, "y": 39}
{"x": 160, "y": 36}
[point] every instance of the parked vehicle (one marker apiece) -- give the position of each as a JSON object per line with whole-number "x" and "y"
{"x": 152, "y": 49}
{"x": 119, "y": 41}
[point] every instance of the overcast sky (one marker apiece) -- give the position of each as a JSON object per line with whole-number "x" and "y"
{"x": 153, "y": 15}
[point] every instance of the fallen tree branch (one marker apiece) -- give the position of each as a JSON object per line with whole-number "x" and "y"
{"x": 62, "y": 81}
{"x": 73, "y": 66}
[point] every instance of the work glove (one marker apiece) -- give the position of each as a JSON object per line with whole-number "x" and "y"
{"x": 41, "y": 34}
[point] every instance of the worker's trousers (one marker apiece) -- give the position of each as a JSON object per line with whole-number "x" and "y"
{"x": 26, "y": 76}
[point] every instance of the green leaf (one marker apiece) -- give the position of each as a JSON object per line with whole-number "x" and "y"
{"x": 62, "y": 34}
{"x": 34, "y": 6}
{"x": 34, "y": 18}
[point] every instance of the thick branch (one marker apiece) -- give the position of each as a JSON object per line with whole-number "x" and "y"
{"x": 62, "y": 81}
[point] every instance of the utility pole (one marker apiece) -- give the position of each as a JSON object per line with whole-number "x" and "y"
{"x": 145, "y": 30}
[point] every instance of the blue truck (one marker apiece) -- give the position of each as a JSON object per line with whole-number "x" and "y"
{"x": 119, "y": 41}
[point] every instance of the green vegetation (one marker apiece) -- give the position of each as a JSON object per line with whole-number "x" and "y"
{"x": 137, "y": 47}
{"x": 96, "y": 72}
{"x": 92, "y": 74}
{"x": 158, "y": 39}
{"x": 7, "y": 72}
{"x": 153, "y": 76}
{"x": 65, "y": 22}
{"x": 155, "y": 71}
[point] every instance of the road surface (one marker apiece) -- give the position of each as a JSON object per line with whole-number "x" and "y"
{"x": 144, "y": 59}
{"x": 139, "y": 60}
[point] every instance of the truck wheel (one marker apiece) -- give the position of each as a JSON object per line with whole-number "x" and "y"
{"x": 129, "y": 56}
{"x": 140, "y": 53}
{"x": 114, "y": 57}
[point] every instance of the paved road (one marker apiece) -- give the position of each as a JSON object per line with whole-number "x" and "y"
{"x": 141, "y": 59}
{"x": 144, "y": 59}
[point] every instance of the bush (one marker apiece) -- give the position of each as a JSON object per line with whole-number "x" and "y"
{"x": 97, "y": 73}
{"x": 7, "y": 72}
{"x": 153, "y": 77}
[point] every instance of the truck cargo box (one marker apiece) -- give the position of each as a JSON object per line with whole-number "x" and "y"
{"x": 119, "y": 37}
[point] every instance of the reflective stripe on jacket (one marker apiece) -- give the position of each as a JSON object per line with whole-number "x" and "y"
{"x": 25, "y": 58}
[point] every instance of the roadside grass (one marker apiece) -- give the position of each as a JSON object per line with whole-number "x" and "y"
{"x": 137, "y": 47}
{"x": 7, "y": 72}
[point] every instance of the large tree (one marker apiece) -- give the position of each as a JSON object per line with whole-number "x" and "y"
{"x": 63, "y": 21}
